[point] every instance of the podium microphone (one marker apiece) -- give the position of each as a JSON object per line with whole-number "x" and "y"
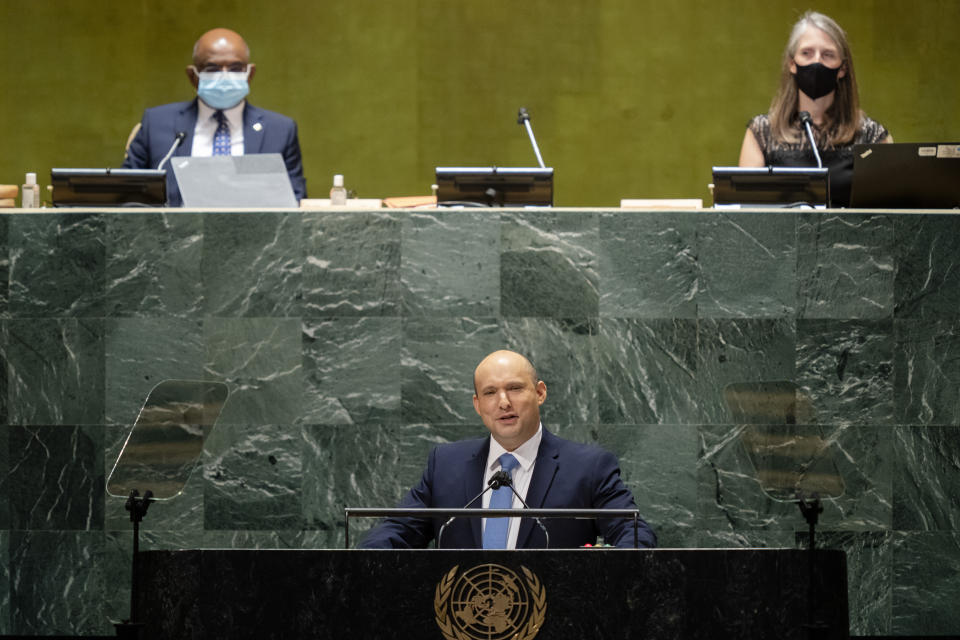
{"x": 807, "y": 120}
{"x": 524, "y": 118}
{"x": 509, "y": 483}
{"x": 176, "y": 143}
{"x": 497, "y": 480}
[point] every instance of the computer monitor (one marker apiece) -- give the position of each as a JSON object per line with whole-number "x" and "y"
{"x": 495, "y": 186}
{"x": 906, "y": 175}
{"x": 108, "y": 187}
{"x": 771, "y": 187}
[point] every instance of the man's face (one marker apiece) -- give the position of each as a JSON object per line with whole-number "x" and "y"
{"x": 508, "y": 398}
{"x": 220, "y": 50}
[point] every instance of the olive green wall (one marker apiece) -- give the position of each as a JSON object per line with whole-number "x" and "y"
{"x": 629, "y": 98}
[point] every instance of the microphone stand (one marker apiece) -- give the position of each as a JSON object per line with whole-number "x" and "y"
{"x": 811, "y": 510}
{"x": 137, "y": 506}
{"x": 806, "y": 120}
{"x": 524, "y": 118}
{"x": 496, "y": 481}
{"x": 509, "y": 482}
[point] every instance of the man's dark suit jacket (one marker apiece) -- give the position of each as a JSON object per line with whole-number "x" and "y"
{"x": 263, "y": 132}
{"x": 567, "y": 475}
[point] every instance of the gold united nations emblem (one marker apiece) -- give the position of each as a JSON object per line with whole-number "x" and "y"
{"x": 489, "y": 602}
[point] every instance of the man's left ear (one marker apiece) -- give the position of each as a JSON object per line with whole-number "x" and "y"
{"x": 541, "y": 392}
{"x": 253, "y": 70}
{"x": 843, "y": 71}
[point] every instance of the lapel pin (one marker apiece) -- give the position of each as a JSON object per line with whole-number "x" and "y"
{"x": 257, "y": 126}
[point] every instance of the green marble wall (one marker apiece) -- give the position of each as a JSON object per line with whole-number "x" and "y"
{"x": 348, "y": 341}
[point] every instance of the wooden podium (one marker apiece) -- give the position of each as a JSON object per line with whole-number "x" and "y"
{"x": 472, "y": 594}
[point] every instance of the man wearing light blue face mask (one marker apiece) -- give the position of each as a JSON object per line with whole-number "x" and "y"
{"x": 219, "y": 121}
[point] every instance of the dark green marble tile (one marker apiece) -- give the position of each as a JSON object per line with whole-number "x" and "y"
{"x": 562, "y": 350}
{"x": 869, "y": 576}
{"x": 261, "y": 360}
{"x": 721, "y": 538}
{"x": 864, "y": 456}
{"x": 182, "y": 514}
{"x": 450, "y": 263}
{"x": 926, "y": 366}
{"x": 4, "y": 480}
{"x": 56, "y": 371}
{"x": 926, "y": 478}
{"x": 925, "y": 586}
{"x": 57, "y": 583}
{"x": 251, "y": 264}
{"x": 351, "y": 264}
{"x": 846, "y": 370}
{"x": 659, "y": 464}
{"x": 153, "y": 264}
{"x": 648, "y": 371}
{"x": 141, "y": 353}
{"x": 648, "y": 265}
{"x": 747, "y": 264}
{"x": 439, "y": 357}
{"x": 4, "y": 366}
{"x": 740, "y": 352}
{"x": 5, "y": 611}
{"x": 927, "y": 279}
{"x": 548, "y": 264}
{"x": 56, "y": 265}
{"x": 369, "y": 465}
{"x": 4, "y": 273}
{"x": 117, "y": 570}
{"x": 352, "y": 370}
{"x": 56, "y": 478}
{"x": 253, "y": 476}
{"x": 845, "y": 266}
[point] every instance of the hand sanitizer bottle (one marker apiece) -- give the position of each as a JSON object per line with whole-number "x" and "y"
{"x": 338, "y": 194}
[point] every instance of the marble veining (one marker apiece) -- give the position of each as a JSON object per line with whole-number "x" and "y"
{"x": 683, "y": 341}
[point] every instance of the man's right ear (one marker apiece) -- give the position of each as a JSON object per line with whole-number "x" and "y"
{"x": 192, "y": 75}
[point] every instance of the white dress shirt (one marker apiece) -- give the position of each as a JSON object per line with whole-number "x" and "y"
{"x": 526, "y": 455}
{"x": 207, "y": 126}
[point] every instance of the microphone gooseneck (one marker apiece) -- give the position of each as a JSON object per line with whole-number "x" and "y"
{"x": 524, "y": 118}
{"x": 806, "y": 120}
{"x": 176, "y": 143}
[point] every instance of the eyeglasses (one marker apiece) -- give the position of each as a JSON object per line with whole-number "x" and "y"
{"x": 236, "y": 67}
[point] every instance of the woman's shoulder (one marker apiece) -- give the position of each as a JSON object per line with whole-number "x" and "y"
{"x": 870, "y": 131}
{"x": 760, "y": 126}
{"x": 760, "y": 122}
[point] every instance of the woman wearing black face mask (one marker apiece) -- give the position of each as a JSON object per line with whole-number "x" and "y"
{"x": 818, "y": 78}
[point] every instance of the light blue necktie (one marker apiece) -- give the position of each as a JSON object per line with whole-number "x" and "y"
{"x": 221, "y": 138}
{"x": 495, "y": 532}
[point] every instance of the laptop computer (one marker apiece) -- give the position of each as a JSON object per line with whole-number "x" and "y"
{"x": 257, "y": 180}
{"x": 906, "y": 175}
{"x": 736, "y": 187}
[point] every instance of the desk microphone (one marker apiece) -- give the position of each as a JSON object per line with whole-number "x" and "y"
{"x": 509, "y": 483}
{"x": 499, "y": 479}
{"x": 176, "y": 143}
{"x": 807, "y": 120}
{"x": 524, "y": 118}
